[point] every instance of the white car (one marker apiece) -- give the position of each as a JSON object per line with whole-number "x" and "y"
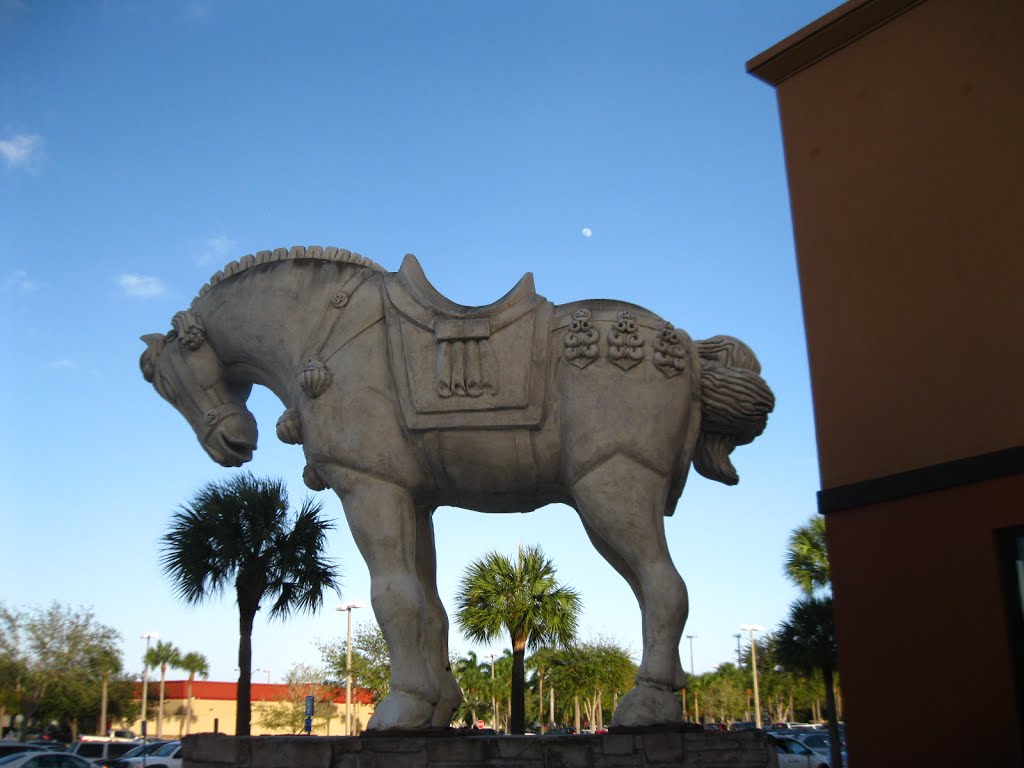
{"x": 818, "y": 741}
{"x": 167, "y": 756}
{"x": 44, "y": 759}
{"x": 793, "y": 754}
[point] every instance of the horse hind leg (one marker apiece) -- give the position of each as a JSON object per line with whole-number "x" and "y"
{"x": 435, "y": 637}
{"x": 622, "y": 504}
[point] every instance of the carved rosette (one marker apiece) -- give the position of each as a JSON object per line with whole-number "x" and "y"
{"x": 669, "y": 351}
{"x": 625, "y": 347}
{"x": 289, "y": 428}
{"x": 581, "y": 340}
{"x": 339, "y": 300}
{"x": 313, "y": 480}
{"x": 314, "y": 377}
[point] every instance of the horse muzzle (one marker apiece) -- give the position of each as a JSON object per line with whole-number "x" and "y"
{"x": 231, "y": 439}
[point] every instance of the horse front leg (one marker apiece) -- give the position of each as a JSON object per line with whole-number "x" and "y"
{"x": 384, "y": 524}
{"x": 622, "y": 504}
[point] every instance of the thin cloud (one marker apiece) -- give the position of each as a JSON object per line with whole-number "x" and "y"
{"x": 20, "y": 282}
{"x": 21, "y": 150}
{"x": 219, "y": 250}
{"x": 141, "y": 286}
{"x": 62, "y": 363}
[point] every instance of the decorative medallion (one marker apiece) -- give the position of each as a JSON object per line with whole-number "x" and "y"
{"x": 190, "y": 329}
{"x": 314, "y": 377}
{"x": 289, "y": 428}
{"x": 669, "y": 351}
{"x": 581, "y": 340}
{"x": 625, "y": 347}
{"x": 313, "y": 480}
{"x": 339, "y": 300}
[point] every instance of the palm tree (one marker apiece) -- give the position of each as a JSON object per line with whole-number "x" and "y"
{"x": 807, "y": 563}
{"x": 521, "y": 598}
{"x": 162, "y": 655}
{"x": 195, "y": 664}
{"x": 238, "y": 531}
{"x": 806, "y": 642}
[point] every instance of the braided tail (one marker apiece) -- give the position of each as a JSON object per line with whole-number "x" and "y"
{"x": 735, "y": 403}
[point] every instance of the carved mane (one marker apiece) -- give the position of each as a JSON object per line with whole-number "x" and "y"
{"x": 330, "y": 253}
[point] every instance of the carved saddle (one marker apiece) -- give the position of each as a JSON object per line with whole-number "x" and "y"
{"x": 459, "y": 367}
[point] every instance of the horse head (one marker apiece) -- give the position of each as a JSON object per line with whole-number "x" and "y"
{"x": 186, "y": 372}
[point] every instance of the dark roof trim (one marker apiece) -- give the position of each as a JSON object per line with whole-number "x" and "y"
{"x": 937, "y": 477}
{"x": 822, "y": 38}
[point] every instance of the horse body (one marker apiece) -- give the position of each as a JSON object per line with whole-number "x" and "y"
{"x": 614, "y": 441}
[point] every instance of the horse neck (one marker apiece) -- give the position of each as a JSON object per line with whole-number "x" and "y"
{"x": 266, "y": 322}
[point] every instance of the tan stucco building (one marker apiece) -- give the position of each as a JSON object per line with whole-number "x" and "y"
{"x": 903, "y": 126}
{"x": 214, "y": 703}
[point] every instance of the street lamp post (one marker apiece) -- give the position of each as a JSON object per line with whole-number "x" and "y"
{"x": 347, "y": 608}
{"x": 690, "y": 638}
{"x": 752, "y": 628}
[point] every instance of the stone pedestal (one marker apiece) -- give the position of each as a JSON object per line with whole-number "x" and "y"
{"x": 689, "y": 749}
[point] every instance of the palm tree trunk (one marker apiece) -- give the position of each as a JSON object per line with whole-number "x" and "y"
{"x": 517, "y": 705}
{"x": 188, "y": 704}
{"x": 160, "y": 712}
{"x": 103, "y": 704}
{"x": 243, "y": 712}
{"x": 830, "y": 712}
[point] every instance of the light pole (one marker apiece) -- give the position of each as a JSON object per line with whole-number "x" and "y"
{"x": 347, "y": 608}
{"x": 147, "y": 636}
{"x": 262, "y": 670}
{"x": 752, "y": 628}
{"x": 690, "y": 638}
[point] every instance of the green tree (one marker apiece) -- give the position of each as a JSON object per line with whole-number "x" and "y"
{"x": 194, "y": 663}
{"x": 162, "y": 655}
{"x": 807, "y": 563}
{"x": 593, "y": 673}
{"x": 475, "y": 680}
{"x": 239, "y": 531}
{"x": 523, "y": 599}
{"x": 371, "y": 661}
{"x": 289, "y": 713}
{"x": 806, "y": 642}
{"x": 52, "y": 662}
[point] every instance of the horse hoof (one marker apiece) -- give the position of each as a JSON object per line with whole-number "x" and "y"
{"x": 401, "y": 711}
{"x": 451, "y": 697}
{"x": 647, "y": 706}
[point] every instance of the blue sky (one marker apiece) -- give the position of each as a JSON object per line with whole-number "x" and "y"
{"x": 144, "y": 145}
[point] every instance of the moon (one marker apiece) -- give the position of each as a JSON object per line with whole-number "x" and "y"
{"x": 587, "y": 232}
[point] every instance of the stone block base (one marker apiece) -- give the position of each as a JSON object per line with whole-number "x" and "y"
{"x": 653, "y": 749}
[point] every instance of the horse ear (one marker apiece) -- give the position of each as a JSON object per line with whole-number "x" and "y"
{"x": 154, "y": 345}
{"x": 151, "y": 338}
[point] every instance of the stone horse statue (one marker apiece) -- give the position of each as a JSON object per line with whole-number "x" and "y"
{"x": 404, "y": 401}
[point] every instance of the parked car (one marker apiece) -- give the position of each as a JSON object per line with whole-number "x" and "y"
{"x": 50, "y": 744}
{"x": 715, "y": 727}
{"x": 125, "y": 760}
{"x": 17, "y": 747}
{"x": 166, "y": 756}
{"x": 819, "y": 742}
{"x": 99, "y": 748}
{"x": 44, "y": 758}
{"x": 792, "y": 754}
{"x": 743, "y": 725}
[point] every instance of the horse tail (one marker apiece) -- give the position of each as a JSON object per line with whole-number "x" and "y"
{"x": 735, "y": 403}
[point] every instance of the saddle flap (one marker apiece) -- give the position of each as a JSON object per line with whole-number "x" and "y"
{"x": 466, "y": 367}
